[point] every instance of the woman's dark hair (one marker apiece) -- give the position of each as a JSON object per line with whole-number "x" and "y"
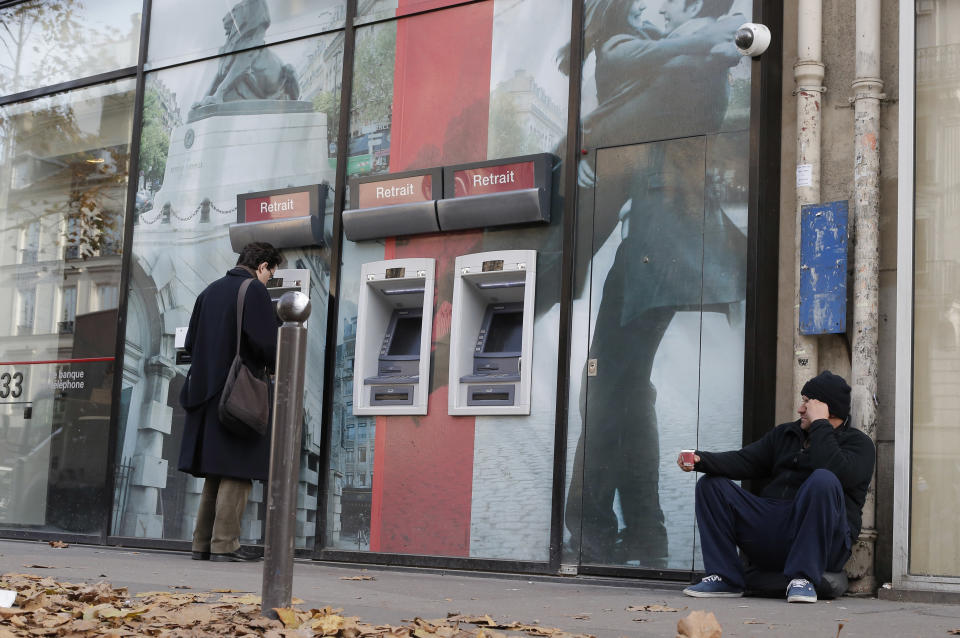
{"x": 602, "y": 19}
{"x": 257, "y": 252}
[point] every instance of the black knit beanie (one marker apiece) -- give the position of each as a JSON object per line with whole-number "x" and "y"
{"x": 832, "y": 390}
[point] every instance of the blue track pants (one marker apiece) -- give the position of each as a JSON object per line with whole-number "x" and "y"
{"x": 803, "y": 537}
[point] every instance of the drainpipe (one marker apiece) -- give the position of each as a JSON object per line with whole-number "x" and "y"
{"x": 867, "y": 91}
{"x": 808, "y": 74}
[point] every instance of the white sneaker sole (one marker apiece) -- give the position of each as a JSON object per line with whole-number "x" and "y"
{"x": 800, "y": 598}
{"x": 713, "y": 594}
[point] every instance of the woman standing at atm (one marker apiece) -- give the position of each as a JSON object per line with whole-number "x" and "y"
{"x": 228, "y": 463}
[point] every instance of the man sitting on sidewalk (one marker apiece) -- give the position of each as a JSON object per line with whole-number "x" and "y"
{"x": 809, "y": 514}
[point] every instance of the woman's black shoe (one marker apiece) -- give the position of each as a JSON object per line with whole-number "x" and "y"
{"x": 237, "y": 556}
{"x": 200, "y": 555}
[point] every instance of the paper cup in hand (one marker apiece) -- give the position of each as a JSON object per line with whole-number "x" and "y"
{"x": 687, "y": 458}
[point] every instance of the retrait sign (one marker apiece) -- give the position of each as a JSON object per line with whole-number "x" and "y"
{"x": 409, "y": 187}
{"x": 494, "y": 179}
{"x": 405, "y": 190}
{"x": 277, "y": 207}
{"x": 285, "y": 217}
{"x": 279, "y": 204}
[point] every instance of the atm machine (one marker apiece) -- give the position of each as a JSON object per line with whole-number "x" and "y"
{"x": 287, "y": 280}
{"x": 391, "y": 373}
{"x": 283, "y": 280}
{"x": 491, "y": 336}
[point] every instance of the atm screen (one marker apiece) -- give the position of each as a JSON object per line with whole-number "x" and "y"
{"x": 505, "y": 333}
{"x": 406, "y": 337}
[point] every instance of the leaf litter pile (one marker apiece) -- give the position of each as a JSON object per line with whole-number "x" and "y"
{"x": 45, "y": 607}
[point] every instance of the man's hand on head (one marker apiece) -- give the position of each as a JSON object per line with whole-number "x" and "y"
{"x": 817, "y": 410}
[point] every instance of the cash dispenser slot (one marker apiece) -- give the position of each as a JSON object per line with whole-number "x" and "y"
{"x": 391, "y": 395}
{"x": 490, "y": 395}
{"x": 394, "y": 325}
{"x": 491, "y": 340}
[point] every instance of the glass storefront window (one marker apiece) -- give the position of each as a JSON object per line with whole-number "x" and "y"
{"x": 373, "y": 10}
{"x": 466, "y": 83}
{"x": 194, "y": 160}
{"x": 46, "y": 42}
{"x": 661, "y": 281}
{"x": 936, "y": 305}
{"x": 63, "y": 185}
{"x": 242, "y": 23}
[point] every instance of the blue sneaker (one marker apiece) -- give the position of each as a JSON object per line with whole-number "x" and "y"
{"x": 800, "y": 590}
{"x": 713, "y": 587}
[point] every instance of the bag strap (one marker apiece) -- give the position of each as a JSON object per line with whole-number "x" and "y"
{"x": 240, "y": 295}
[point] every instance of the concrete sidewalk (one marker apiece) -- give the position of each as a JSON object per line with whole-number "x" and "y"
{"x": 574, "y": 604}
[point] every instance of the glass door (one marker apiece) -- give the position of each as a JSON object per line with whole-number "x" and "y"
{"x": 667, "y": 289}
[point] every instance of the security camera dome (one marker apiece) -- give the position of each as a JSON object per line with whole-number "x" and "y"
{"x": 752, "y": 39}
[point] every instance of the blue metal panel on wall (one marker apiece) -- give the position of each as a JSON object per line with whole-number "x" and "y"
{"x": 823, "y": 268}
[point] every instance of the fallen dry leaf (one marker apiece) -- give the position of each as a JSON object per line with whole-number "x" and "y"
{"x": 699, "y": 624}
{"x": 58, "y": 544}
{"x": 37, "y": 601}
{"x": 55, "y": 621}
{"x": 327, "y": 625}
{"x": 100, "y": 593}
{"x": 287, "y": 616}
{"x": 265, "y": 623}
{"x": 12, "y": 611}
{"x": 249, "y": 599}
{"x": 652, "y": 608}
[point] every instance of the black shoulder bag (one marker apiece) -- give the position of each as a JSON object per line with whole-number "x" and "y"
{"x": 245, "y": 402}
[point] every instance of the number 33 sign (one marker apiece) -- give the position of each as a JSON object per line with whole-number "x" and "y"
{"x": 11, "y": 385}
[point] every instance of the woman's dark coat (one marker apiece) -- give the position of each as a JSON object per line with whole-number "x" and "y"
{"x": 208, "y": 449}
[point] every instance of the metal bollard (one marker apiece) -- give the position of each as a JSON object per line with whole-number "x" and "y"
{"x": 294, "y": 308}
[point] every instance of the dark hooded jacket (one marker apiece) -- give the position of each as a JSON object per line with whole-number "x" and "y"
{"x": 782, "y": 456}
{"x": 207, "y": 448}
